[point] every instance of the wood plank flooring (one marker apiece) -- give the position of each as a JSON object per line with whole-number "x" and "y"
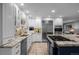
{"x": 39, "y": 49}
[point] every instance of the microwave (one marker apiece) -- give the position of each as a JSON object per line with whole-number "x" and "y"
{"x": 31, "y": 28}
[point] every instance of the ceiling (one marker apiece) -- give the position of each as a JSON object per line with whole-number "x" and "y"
{"x": 67, "y": 10}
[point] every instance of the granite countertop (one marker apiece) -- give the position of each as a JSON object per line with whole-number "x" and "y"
{"x": 72, "y": 37}
{"x": 15, "y": 41}
{"x": 67, "y": 43}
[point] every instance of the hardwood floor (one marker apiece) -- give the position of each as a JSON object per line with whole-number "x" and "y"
{"x": 40, "y": 48}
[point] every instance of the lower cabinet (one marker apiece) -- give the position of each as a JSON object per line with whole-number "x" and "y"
{"x": 63, "y": 50}
{"x": 36, "y": 37}
{"x": 24, "y": 47}
{"x": 50, "y": 48}
{"x": 67, "y": 50}
{"x": 16, "y": 49}
{"x": 29, "y": 42}
{"x": 11, "y": 50}
{"x": 19, "y": 49}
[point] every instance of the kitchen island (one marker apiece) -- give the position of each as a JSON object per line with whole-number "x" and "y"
{"x": 63, "y": 44}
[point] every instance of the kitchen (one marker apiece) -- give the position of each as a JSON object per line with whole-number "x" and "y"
{"x": 39, "y": 28}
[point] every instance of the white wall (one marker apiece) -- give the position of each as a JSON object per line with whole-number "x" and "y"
{"x": 73, "y": 22}
{"x": 38, "y": 36}
{"x": 31, "y": 22}
{"x": 35, "y": 23}
{"x": 38, "y": 23}
{"x": 68, "y": 21}
{"x": 75, "y": 25}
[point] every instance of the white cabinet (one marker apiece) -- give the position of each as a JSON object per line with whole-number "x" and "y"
{"x": 15, "y": 50}
{"x": 58, "y": 26}
{"x": 58, "y": 21}
{"x": 0, "y": 24}
{"x": 7, "y": 21}
{"x": 29, "y": 42}
{"x": 37, "y": 37}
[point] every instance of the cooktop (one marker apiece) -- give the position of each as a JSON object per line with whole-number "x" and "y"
{"x": 59, "y": 38}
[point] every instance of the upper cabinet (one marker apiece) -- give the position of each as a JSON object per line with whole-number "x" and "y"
{"x": 58, "y": 26}
{"x": 18, "y": 17}
{"x": 21, "y": 18}
{"x": 58, "y": 21}
{"x": 7, "y": 22}
{"x": 0, "y": 24}
{"x": 21, "y": 23}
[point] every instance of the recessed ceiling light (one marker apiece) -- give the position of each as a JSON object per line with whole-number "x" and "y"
{"x": 27, "y": 12}
{"x": 53, "y": 11}
{"x": 22, "y": 4}
{"x": 78, "y": 11}
{"x": 38, "y": 17}
{"x": 49, "y": 16}
{"x": 60, "y": 16}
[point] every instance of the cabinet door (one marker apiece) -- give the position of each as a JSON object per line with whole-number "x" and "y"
{"x": 33, "y": 38}
{"x": 8, "y": 20}
{"x": 28, "y": 42}
{"x": 24, "y": 47}
{"x": 0, "y": 24}
{"x": 16, "y": 49}
{"x": 37, "y": 37}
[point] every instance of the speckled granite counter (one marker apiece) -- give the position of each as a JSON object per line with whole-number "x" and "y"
{"x": 14, "y": 41}
{"x": 66, "y": 43}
